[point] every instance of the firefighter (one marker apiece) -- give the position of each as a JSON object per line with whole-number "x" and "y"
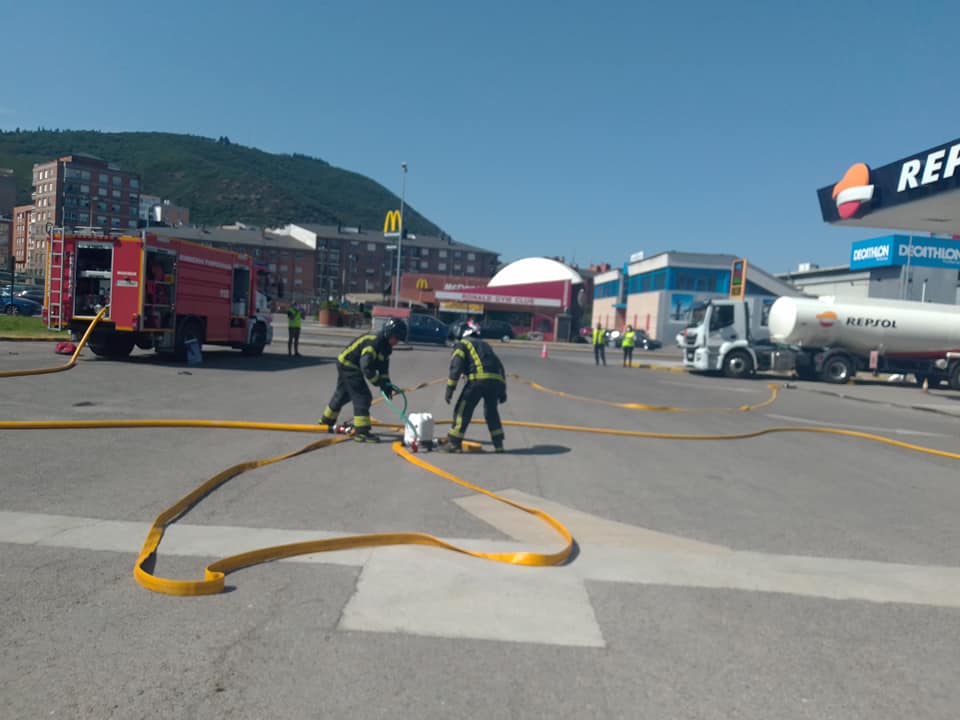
{"x": 600, "y": 345}
{"x": 365, "y": 359}
{"x": 485, "y": 380}
{"x": 294, "y": 321}
{"x": 629, "y": 340}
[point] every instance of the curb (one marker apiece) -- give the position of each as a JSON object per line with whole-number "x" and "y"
{"x": 4, "y": 338}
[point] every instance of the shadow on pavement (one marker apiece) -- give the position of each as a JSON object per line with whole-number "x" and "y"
{"x": 229, "y": 360}
{"x": 538, "y": 450}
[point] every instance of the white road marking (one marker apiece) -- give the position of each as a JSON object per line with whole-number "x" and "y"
{"x": 435, "y": 593}
{"x": 865, "y": 428}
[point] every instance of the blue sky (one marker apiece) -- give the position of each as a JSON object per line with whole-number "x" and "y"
{"x": 587, "y": 130}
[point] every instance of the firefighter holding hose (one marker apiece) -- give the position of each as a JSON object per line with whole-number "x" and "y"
{"x": 366, "y": 359}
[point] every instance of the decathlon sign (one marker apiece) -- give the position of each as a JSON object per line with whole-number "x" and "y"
{"x": 901, "y": 249}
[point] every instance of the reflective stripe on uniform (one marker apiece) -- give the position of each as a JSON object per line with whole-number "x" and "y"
{"x": 342, "y": 357}
{"x": 361, "y": 421}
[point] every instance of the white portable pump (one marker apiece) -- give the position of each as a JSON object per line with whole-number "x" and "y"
{"x": 418, "y": 431}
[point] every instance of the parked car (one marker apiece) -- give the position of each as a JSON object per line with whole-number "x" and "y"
{"x": 489, "y": 329}
{"x": 18, "y": 306}
{"x": 426, "y": 329}
{"x": 35, "y": 295}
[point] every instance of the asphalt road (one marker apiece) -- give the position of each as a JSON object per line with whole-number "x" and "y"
{"x": 793, "y": 575}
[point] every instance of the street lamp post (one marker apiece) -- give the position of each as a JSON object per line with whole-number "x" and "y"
{"x": 403, "y": 192}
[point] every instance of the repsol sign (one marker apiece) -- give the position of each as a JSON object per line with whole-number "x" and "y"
{"x": 870, "y": 322}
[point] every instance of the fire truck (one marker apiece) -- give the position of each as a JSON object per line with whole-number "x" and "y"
{"x": 162, "y": 293}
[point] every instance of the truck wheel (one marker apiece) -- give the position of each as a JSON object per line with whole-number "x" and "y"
{"x": 955, "y": 376}
{"x": 113, "y": 346}
{"x": 258, "y": 341}
{"x": 738, "y": 364}
{"x": 837, "y": 369}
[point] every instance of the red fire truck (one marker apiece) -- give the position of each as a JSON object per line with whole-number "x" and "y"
{"x": 162, "y": 293}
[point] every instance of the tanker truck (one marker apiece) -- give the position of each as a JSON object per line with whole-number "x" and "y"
{"x": 825, "y": 338}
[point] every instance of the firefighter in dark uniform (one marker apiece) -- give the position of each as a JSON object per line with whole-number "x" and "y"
{"x": 366, "y": 358}
{"x": 479, "y": 364}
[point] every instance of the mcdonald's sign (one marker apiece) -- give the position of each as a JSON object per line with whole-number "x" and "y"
{"x": 422, "y": 284}
{"x": 738, "y": 279}
{"x": 391, "y": 224}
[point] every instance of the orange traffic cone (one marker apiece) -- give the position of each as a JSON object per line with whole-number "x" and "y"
{"x": 543, "y": 353}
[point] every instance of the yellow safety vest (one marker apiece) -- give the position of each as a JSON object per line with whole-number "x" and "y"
{"x": 598, "y": 336}
{"x": 293, "y": 321}
{"x": 628, "y": 338}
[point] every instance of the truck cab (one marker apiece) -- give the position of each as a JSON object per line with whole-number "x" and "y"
{"x": 728, "y": 336}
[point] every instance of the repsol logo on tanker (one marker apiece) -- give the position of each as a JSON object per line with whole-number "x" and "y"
{"x": 871, "y": 322}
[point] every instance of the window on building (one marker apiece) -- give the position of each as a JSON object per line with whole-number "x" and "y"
{"x": 442, "y": 266}
{"x": 85, "y": 189}
{"x": 117, "y": 181}
{"x": 471, "y": 256}
{"x": 84, "y": 174}
{"x": 132, "y": 223}
{"x": 117, "y": 194}
{"x": 115, "y": 222}
{"x": 371, "y": 247}
{"x": 115, "y": 208}
{"x": 424, "y": 264}
{"x": 283, "y": 268}
{"x": 442, "y": 253}
{"x": 103, "y": 179}
{"x": 101, "y": 220}
{"x": 102, "y": 192}
{"x": 424, "y": 252}
{"x": 297, "y": 269}
{"x": 471, "y": 269}
{"x": 134, "y": 184}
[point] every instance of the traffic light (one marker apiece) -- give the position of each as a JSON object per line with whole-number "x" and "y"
{"x": 738, "y": 279}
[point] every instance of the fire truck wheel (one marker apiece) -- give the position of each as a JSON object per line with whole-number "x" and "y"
{"x": 258, "y": 340}
{"x": 113, "y": 346}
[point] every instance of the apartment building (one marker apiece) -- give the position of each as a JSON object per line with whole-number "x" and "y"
{"x": 360, "y": 261}
{"x": 21, "y": 231}
{"x": 79, "y": 191}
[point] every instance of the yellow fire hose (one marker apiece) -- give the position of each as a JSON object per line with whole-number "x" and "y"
{"x": 215, "y": 573}
{"x": 70, "y": 363}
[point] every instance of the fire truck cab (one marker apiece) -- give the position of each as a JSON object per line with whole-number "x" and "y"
{"x": 162, "y": 293}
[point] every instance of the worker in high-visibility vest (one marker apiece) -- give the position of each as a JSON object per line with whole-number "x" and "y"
{"x": 294, "y": 320}
{"x": 600, "y": 345}
{"x": 629, "y": 340}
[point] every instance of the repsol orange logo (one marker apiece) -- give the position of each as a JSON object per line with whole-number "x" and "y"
{"x": 827, "y": 318}
{"x": 853, "y": 191}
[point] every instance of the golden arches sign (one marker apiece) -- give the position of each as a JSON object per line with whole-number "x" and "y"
{"x": 391, "y": 224}
{"x": 422, "y": 284}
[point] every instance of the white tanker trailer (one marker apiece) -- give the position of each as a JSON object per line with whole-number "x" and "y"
{"x": 826, "y": 338}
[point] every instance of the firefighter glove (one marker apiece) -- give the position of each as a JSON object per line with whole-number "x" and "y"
{"x": 503, "y": 396}
{"x": 448, "y": 394}
{"x": 389, "y": 389}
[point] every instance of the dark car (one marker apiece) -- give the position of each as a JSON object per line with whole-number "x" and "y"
{"x": 489, "y": 329}
{"x": 18, "y": 306}
{"x": 35, "y": 295}
{"x": 426, "y": 329}
{"x": 642, "y": 341}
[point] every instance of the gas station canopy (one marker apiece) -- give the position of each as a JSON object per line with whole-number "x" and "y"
{"x": 920, "y": 193}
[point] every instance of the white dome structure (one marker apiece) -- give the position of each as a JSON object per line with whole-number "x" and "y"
{"x": 534, "y": 270}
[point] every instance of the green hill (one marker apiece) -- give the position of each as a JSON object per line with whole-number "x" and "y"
{"x": 219, "y": 181}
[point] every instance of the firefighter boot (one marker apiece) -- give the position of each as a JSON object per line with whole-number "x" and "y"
{"x": 452, "y": 446}
{"x": 328, "y": 419}
{"x": 365, "y": 436}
